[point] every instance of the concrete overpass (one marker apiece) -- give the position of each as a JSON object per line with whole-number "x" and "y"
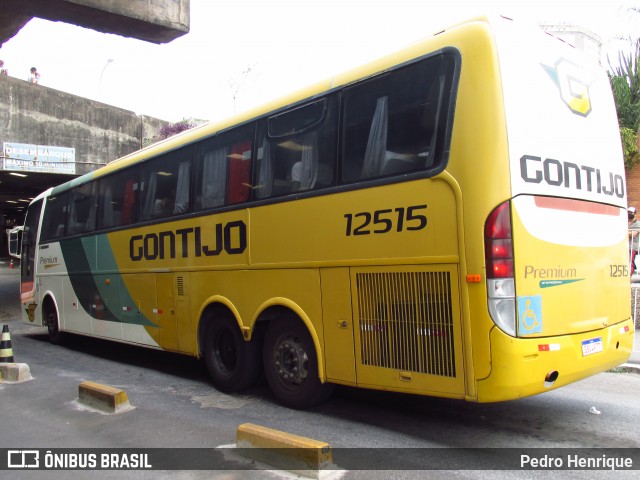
{"x": 156, "y": 21}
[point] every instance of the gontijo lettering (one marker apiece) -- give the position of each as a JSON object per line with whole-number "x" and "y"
{"x": 570, "y": 175}
{"x": 230, "y": 238}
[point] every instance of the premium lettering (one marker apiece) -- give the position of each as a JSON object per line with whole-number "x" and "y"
{"x": 555, "y": 273}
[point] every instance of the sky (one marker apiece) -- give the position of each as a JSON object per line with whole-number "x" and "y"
{"x": 242, "y": 53}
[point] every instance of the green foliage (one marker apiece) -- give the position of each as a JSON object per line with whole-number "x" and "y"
{"x": 630, "y": 147}
{"x": 628, "y": 110}
{"x": 625, "y": 83}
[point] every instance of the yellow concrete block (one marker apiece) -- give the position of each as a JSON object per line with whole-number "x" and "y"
{"x": 283, "y": 450}
{"x": 103, "y": 397}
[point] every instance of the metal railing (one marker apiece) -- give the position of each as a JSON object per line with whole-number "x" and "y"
{"x": 634, "y": 263}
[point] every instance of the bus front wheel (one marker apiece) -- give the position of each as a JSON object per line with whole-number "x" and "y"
{"x": 291, "y": 365}
{"x": 53, "y": 327}
{"x": 233, "y": 364}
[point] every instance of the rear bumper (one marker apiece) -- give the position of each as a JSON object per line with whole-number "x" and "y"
{"x": 520, "y": 366}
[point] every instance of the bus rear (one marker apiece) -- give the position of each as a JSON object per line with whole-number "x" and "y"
{"x": 556, "y": 252}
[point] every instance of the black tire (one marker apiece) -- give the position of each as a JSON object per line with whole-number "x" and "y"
{"x": 53, "y": 326}
{"x": 291, "y": 365}
{"x": 233, "y": 364}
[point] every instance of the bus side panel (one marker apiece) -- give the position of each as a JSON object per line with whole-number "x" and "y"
{"x": 109, "y": 297}
{"x": 402, "y": 223}
{"x": 337, "y": 317}
{"x": 138, "y": 300}
{"x": 51, "y": 282}
{"x": 400, "y": 243}
{"x": 250, "y": 292}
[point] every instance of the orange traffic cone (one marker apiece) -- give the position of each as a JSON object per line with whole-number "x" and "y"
{"x": 11, "y": 264}
{"x": 6, "y": 352}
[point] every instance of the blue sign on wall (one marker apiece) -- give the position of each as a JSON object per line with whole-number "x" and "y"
{"x": 21, "y": 157}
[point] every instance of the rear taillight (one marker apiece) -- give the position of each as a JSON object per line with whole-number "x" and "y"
{"x": 498, "y": 244}
{"x": 499, "y": 263}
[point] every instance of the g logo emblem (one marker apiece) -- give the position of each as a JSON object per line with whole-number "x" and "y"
{"x": 573, "y": 85}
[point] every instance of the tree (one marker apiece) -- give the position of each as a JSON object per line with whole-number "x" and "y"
{"x": 625, "y": 83}
{"x": 238, "y": 82}
{"x": 171, "y": 129}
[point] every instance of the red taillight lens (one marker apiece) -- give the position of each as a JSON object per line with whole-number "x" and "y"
{"x": 498, "y": 243}
{"x": 500, "y": 268}
{"x": 499, "y": 223}
{"x": 501, "y": 248}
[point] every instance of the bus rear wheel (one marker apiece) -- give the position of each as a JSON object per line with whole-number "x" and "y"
{"x": 233, "y": 364}
{"x": 291, "y": 365}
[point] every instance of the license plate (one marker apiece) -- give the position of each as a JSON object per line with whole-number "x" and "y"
{"x": 591, "y": 346}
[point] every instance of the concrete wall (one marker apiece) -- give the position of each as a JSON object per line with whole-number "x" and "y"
{"x": 100, "y": 133}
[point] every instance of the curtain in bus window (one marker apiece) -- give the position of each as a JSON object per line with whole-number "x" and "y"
{"x": 93, "y": 208}
{"x": 82, "y": 210}
{"x": 214, "y": 178}
{"x": 117, "y": 199}
{"x": 182, "y": 188}
{"x": 265, "y": 173}
{"x": 53, "y": 224}
{"x": 377, "y": 142}
{"x": 107, "y": 208}
{"x": 431, "y": 116}
{"x": 239, "y": 181}
{"x": 74, "y": 225}
{"x": 150, "y": 196}
{"x": 128, "y": 213}
{"x": 305, "y": 172}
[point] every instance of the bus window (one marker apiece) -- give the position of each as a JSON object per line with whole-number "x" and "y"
{"x": 165, "y": 185}
{"x": 391, "y": 122}
{"x": 56, "y": 212}
{"x": 82, "y": 209}
{"x": 118, "y": 195}
{"x": 224, "y": 169}
{"x": 297, "y": 150}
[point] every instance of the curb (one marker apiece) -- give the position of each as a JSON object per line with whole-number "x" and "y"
{"x": 15, "y": 373}
{"x": 103, "y": 397}
{"x": 299, "y": 455}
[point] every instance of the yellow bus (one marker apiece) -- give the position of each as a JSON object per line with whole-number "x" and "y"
{"x": 449, "y": 220}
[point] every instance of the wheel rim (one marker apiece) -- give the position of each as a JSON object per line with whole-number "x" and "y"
{"x": 225, "y": 355}
{"x": 52, "y": 323}
{"x": 291, "y": 361}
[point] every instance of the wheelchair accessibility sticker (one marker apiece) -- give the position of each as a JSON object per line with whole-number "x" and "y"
{"x": 529, "y": 315}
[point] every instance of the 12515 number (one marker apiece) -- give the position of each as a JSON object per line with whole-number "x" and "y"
{"x": 384, "y": 221}
{"x": 617, "y": 271}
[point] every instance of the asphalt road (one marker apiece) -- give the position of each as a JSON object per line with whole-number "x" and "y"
{"x": 175, "y": 407}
